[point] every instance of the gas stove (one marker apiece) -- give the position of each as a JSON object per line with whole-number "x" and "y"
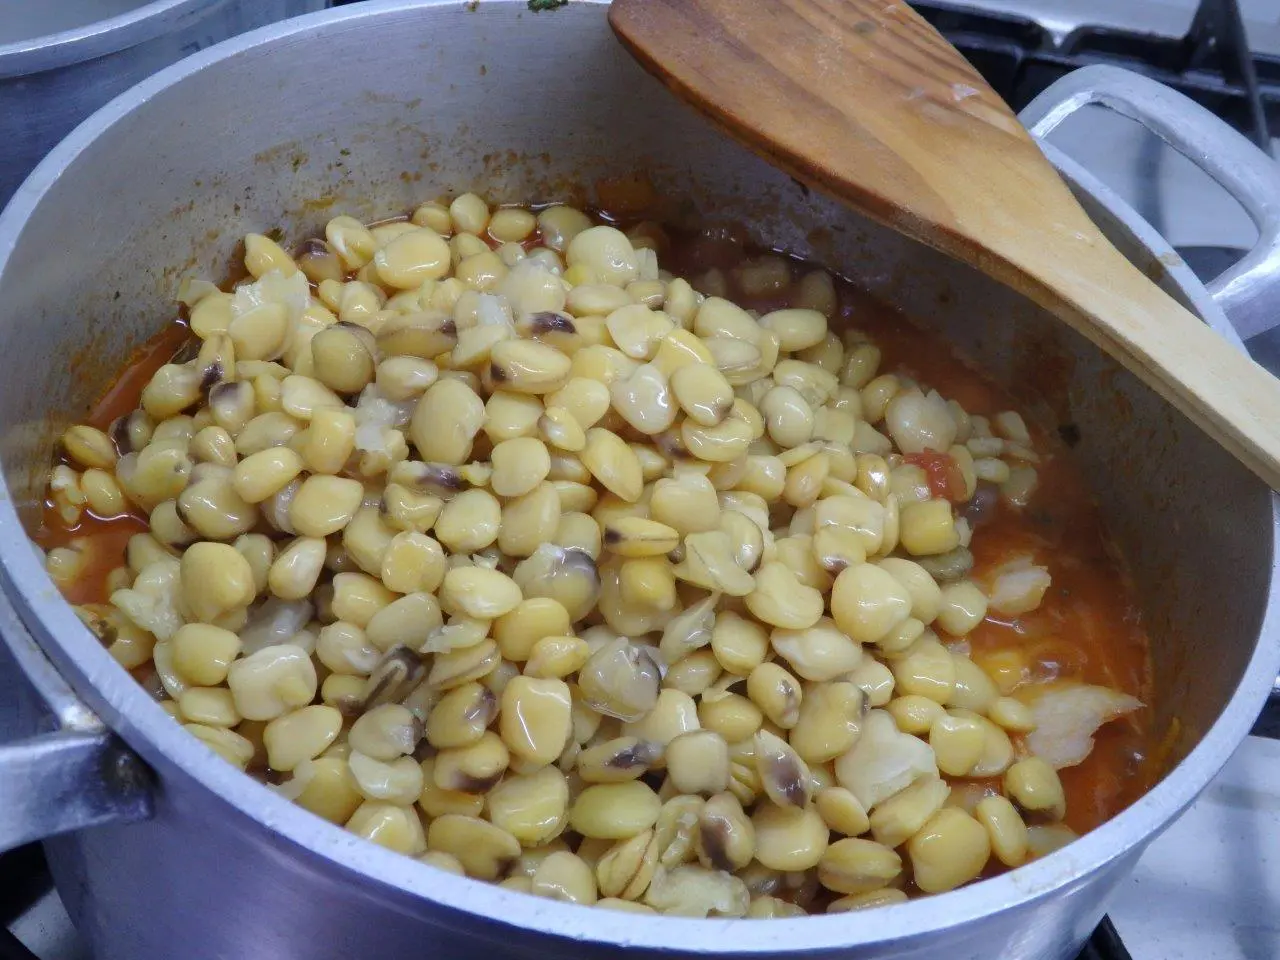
{"x": 1207, "y": 888}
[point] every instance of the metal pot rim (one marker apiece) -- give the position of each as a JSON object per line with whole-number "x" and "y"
{"x": 97, "y": 39}
{"x": 125, "y": 706}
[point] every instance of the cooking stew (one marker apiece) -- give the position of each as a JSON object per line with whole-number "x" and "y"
{"x": 609, "y": 562}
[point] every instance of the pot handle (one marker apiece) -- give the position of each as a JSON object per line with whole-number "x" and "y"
{"x": 78, "y": 775}
{"x": 67, "y": 780}
{"x": 1246, "y": 292}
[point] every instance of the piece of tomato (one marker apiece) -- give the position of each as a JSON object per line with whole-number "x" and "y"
{"x": 942, "y": 471}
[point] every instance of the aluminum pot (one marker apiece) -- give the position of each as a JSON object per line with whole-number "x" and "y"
{"x": 368, "y": 110}
{"x": 60, "y": 60}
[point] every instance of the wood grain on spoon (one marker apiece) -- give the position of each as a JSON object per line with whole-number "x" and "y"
{"x": 867, "y": 102}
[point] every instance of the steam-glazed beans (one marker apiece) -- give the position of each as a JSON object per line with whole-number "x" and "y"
{"x": 489, "y": 537}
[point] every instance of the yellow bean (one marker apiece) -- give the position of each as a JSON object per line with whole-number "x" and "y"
{"x": 949, "y": 850}
{"x": 614, "y": 811}
{"x": 867, "y": 602}
{"x": 216, "y": 580}
{"x": 842, "y": 812}
{"x": 613, "y": 464}
{"x": 781, "y": 600}
{"x": 483, "y": 849}
{"x": 1034, "y": 786}
{"x": 535, "y": 718}
{"x": 789, "y": 838}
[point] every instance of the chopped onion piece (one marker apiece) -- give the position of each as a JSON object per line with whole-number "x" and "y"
{"x": 153, "y": 601}
{"x": 275, "y": 622}
{"x": 1018, "y": 587}
{"x": 883, "y": 761}
{"x": 918, "y": 422}
{"x": 273, "y": 287}
{"x": 1068, "y": 715}
{"x": 194, "y": 289}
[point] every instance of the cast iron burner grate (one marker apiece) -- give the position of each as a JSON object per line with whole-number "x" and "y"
{"x": 1211, "y": 63}
{"x": 24, "y": 879}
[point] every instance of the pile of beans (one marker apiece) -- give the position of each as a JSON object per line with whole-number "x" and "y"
{"x": 482, "y": 535}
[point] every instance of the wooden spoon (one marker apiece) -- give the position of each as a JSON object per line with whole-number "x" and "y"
{"x": 864, "y": 100}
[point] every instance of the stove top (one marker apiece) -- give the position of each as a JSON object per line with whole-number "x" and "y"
{"x": 1207, "y": 888}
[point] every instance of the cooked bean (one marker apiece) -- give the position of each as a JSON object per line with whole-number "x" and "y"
{"x": 725, "y": 837}
{"x": 526, "y": 366}
{"x": 532, "y": 807}
{"x": 557, "y": 657}
{"x": 202, "y": 654}
{"x": 89, "y": 447}
{"x": 777, "y": 693}
{"x": 974, "y": 690}
{"x": 474, "y": 768}
{"x": 461, "y": 665}
{"x": 469, "y": 522}
{"x": 300, "y": 736}
{"x": 616, "y": 760}
{"x": 817, "y": 653}
{"x": 781, "y": 600}
{"x": 385, "y": 732}
{"x": 957, "y": 743}
{"x": 614, "y": 811}
{"x": 783, "y": 775}
{"x": 797, "y": 328}
{"x": 867, "y": 602}
{"x": 211, "y": 706}
{"x": 461, "y": 716}
{"x": 950, "y": 849}
{"x": 1034, "y": 786}
{"x": 534, "y": 718}
{"x": 484, "y": 849}
{"x": 915, "y": 714}
{"x": 829, "y": 721}
{"x": 564, "y": 876}
{"x": 445, "y": 422}
{"x": 272, "y": 681}
{"x": 1005, "y": 829}
{"x": 216, "y": 580}
{"x": 963, "y": 607}
{"x": 858, "y": 866}
{"x": 324, "y": 505}
{"x": 841, "y": 811}
{"x": 928, "y": 528}
{"x": 789, "y": 838}
{"x": 265, "y": 473}
{"x": 926, "y": 668}
{"x": 620, "y": 680}
{"x": 896, "y": 819}
{"x": 731, "y": 715}
{"x": 227, "y": 744}
{"x": 673, "y": 713}
{"x": 626, "y": 870}
{"x": 1013, "y": 715}
{"x": 698, "y": 762}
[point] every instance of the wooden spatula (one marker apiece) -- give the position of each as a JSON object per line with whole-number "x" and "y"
{"x": 864, "y": 100}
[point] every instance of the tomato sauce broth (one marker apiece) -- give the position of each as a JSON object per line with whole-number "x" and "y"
{"x": 1087, "y": 627}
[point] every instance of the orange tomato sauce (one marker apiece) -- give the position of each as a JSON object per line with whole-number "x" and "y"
{"x": 1087, "y": 627}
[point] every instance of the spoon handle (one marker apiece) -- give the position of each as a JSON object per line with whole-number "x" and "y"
{"x": 1229, "y": 396}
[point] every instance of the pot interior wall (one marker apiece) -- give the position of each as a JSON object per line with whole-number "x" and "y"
{"x": 373, "y": 115}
